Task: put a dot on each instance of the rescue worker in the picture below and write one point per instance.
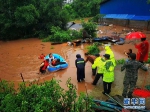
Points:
(131, 75)
(41, 56)
(80, 65)
(51, 57)
(128, 53)
(110, 52)
(53, 62)
(108, 75)
(143, 49)
(91, 58)
(44, 66)
(99, 64)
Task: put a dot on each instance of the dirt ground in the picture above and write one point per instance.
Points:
(21, 56)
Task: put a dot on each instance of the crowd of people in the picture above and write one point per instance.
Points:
(104, 66)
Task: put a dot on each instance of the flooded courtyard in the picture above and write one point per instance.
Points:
(21, 56)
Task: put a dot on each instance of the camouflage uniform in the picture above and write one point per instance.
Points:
(131, 76)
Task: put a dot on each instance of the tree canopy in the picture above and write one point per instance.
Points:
(84, 8)
(35, 18)
(26, 18)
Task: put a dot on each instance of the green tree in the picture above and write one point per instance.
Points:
(84, 8)
(90, 27)
(28, 18)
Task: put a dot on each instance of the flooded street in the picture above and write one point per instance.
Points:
(21, 56)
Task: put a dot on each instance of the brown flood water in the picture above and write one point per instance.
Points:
(21, 56)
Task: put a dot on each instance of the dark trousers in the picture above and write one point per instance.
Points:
(94, 71)
(42, 71)
(80, 74)
(129, 85)
(97, 77)
(107, 87)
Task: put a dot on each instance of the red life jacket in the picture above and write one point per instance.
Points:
(44, 67)
(54, 62)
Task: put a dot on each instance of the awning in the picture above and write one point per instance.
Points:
(119, 16)
(144, 18)
(127, 16)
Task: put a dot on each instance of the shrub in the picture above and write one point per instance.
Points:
(93, 49)
(43, 97)
(120, 61)
(75, 34)
(59, 35)
(148, 60)
(90, 27)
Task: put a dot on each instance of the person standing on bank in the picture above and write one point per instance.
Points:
(108, 75)
(143, 49)
(131, 75)
(80, 65)
(99, 64)
(128, 53)
(110, 52)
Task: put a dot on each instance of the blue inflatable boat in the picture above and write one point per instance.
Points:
(58, 67)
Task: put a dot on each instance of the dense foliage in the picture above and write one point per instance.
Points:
(59, 35)
(43, 97)
(90, 27)
(28, 18)
(93, 49)
(84, 8)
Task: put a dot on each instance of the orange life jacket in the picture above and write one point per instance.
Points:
(44, 67)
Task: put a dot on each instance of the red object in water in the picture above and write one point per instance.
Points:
(141, 93)
(41, 56)
(135, 35)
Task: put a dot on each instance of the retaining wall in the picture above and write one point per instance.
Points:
(141, 25)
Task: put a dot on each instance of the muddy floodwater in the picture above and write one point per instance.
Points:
(21, 56)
